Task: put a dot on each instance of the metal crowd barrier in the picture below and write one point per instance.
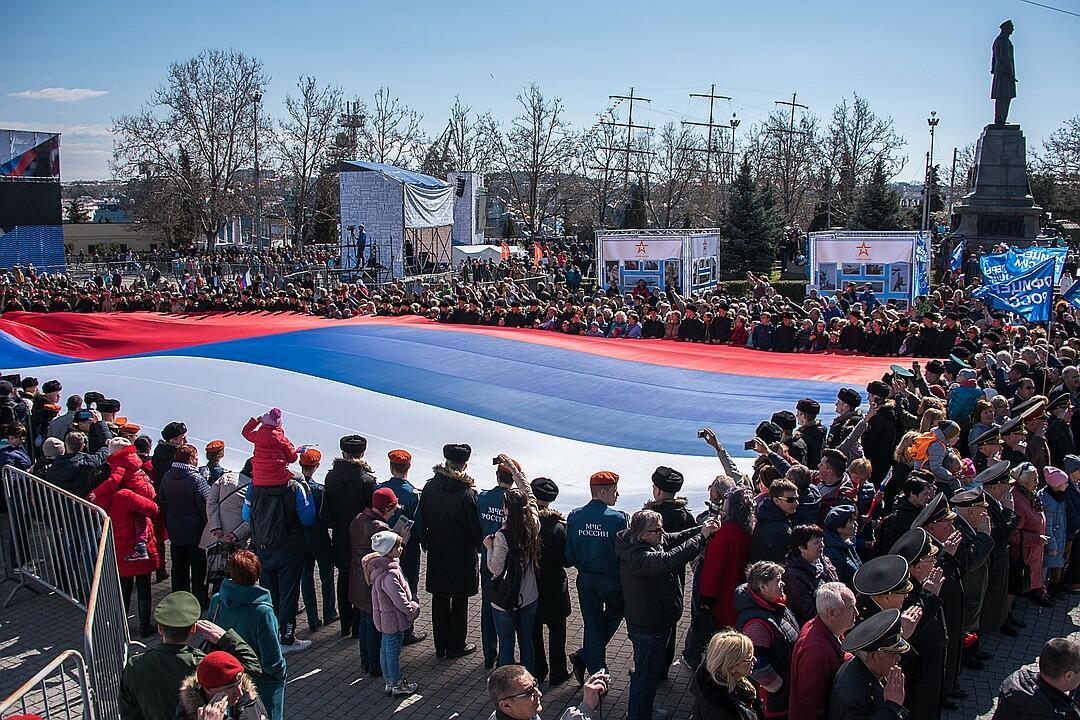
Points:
(63, 543)
(54, 537)
(58, 692)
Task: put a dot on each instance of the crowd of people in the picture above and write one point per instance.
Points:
(854, 572)
(553, 297)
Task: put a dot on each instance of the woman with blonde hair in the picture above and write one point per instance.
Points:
(720, 686)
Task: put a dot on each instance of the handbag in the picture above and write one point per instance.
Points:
(217, 560)
(504, 588)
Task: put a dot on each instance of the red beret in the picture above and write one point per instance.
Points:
(603, 477)
(215, 446)
(383, 498)
(311, 456)
(217, 670)
(400, 457)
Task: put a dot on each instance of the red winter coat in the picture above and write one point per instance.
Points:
(816, 657)
(273, 454)
(723, 569)
(128, 497)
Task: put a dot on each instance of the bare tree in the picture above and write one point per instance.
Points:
(856, 140)
(674, 165)
(206, 109)
(789, 160)
(301, 144)
(531, 153)
(391, 132)
(596, 164)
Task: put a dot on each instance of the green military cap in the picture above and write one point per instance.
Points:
(179, 609)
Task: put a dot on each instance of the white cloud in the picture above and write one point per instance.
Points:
(59, 94)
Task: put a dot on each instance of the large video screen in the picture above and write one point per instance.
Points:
(26, 154)
(29, 203)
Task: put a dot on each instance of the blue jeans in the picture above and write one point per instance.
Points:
(390, 656)
(520, 623)
(601, 601)
(369, 642)
(650, 663)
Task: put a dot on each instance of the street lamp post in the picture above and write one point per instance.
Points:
(257, 222)
(932, 121)
(734, 123)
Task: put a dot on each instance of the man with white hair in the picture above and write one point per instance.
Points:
(817, 654)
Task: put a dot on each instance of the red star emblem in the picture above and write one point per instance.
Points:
(864, 249)
(642, 248)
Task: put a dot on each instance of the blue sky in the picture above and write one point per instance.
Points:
(905, 58)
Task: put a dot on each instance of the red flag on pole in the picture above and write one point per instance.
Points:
(538, 253)
(505, 252)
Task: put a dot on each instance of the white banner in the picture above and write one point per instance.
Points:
(642, 248)
(428, 207)
(876, 251)
(703, 246)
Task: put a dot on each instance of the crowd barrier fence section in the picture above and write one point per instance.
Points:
(61, 543)
(59, 691)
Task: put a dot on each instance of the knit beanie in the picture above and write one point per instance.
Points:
(384, 541)
(272, 417)
(1055, 477)
(117, 444)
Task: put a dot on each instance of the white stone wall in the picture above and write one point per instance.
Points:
(465, 220)
(376, 201)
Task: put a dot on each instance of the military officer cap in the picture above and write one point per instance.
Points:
(901, 371)
(353, 444)
(969, 498)
(785, 420)
(1061, 401)
(883, 574)
(178, 609)
(1011, 427)
(992, 475)
(457, 452)
(959, 361)
(1028, 408)
(990, 437)
(914, 545)
(769, 432)
(544, 489)
(878, 633)
(667, 479)
(935, 510)
(849, 396)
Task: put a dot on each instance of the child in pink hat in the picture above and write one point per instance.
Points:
(273, 451)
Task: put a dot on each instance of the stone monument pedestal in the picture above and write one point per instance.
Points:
(998, 206)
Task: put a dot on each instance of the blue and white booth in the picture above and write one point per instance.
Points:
(684, 259)
(896, 265)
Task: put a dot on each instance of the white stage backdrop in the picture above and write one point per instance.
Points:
(642, 248)
(428, 207)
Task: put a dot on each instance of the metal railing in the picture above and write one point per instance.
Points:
(55, 536)
(64, 544)
(58, 691)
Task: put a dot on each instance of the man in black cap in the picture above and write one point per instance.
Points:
(971, 510)
(349, 485)
(691, 329)
(554, 595)
(997, 485)
(810, 431)
(1059, 436)
(787, 422)
(913, 494)
(1012, 442)
(784, 337)
(925, 667)
(870, 685)
(882, 431)
(847, 417)
(173, 436)
(987, 448)
(452, 532)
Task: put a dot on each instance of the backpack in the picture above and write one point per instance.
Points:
(273, 514)
(920, 447)
(504, 589)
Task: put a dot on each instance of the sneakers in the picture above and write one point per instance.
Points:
(402, 688)
(295, 646)
(139, 553)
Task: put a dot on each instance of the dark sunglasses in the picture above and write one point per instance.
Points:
(530, 691)
(790, 501)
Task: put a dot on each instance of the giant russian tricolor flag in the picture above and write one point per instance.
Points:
(565, 406)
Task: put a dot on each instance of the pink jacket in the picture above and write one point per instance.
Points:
(392, 603)
(273, 454)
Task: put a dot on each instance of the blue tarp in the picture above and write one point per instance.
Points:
(39, 245)
(408, 177)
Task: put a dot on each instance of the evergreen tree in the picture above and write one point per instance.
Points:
(752, 225)
(76, 213)
(878, 207)
(936, 202)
